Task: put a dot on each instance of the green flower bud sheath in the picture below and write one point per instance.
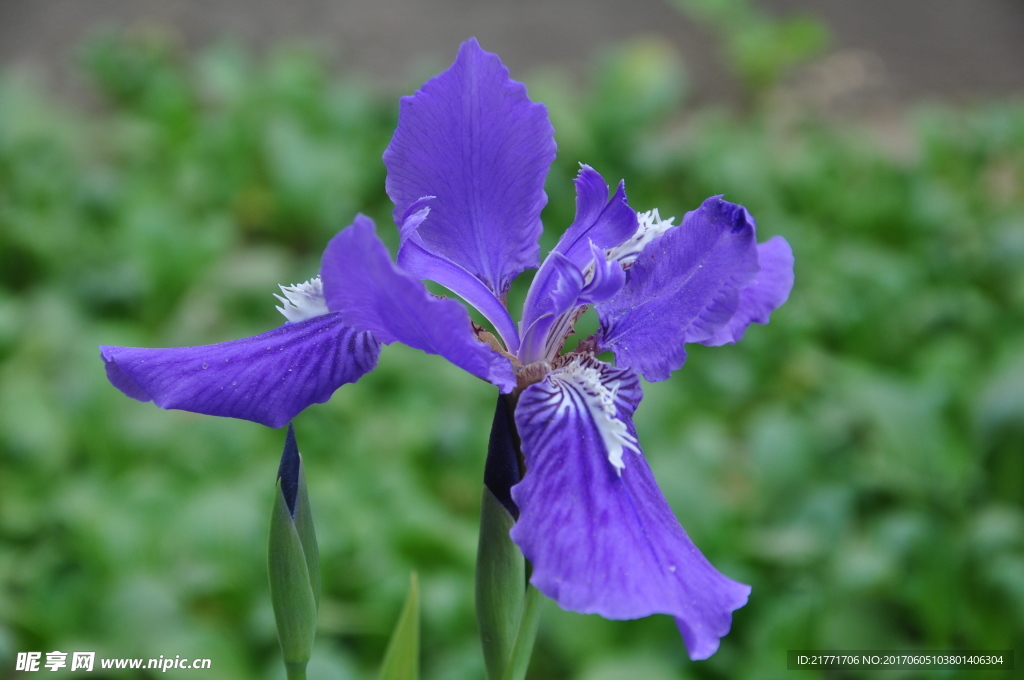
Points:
(507, 621)
(293, 563)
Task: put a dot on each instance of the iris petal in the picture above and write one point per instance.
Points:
(268, 378)
(568, 290)
(684, 287)
(601, 538)
(472, 139)
(600, 222)
(764, 295)
(562, 287)
(606, 280)
(416, 259)
(372, 294)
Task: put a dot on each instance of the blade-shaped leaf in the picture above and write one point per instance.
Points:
(402, 659)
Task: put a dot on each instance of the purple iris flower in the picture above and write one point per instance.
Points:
(466, 170)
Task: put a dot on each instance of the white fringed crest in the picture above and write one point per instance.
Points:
(584, 375)
(303, 301)
(649, 227)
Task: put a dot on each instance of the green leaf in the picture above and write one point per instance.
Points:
(500, 585)
(402, 660)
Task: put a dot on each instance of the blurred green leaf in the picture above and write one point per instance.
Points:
(637, 83)
(761, 49)
(402, 659)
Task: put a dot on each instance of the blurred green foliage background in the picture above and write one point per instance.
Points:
(859, 461)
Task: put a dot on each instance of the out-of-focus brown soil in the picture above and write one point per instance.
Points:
(925, 49)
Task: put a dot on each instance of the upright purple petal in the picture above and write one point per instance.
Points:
(568, 289)
(563, 283)
(268, 378)
(684, 287)
(603, 221)
(607, 278)
(764, 295)
(568, 283)
(593, 523)
(371, 293)
(600, 221)
(473, 140)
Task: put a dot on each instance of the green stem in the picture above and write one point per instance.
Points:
(295, 671)
(522, 648)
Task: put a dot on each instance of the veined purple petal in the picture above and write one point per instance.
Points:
(684, 286)
(268, 378)
(600, 221)
(764, 295)
(607, 278)
(473, 140)
(568, 284)
(600, 536)
(416, 259)
(563, 284)
(569, 289)
(371, 293)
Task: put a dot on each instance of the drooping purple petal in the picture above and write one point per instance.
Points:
(600, 221)
(764, 295)
(600, 536)
(268, 378)
(473, 140)
(684, 286)
(371, 293)
(416, 259)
